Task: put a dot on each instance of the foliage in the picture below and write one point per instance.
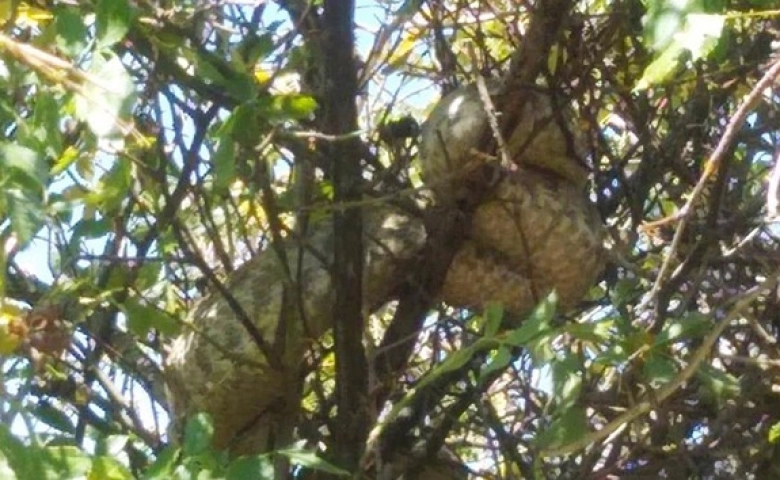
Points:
(150, 148)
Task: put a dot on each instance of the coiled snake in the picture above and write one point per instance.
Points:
(536, 231)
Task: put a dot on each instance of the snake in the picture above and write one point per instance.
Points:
(536, 231)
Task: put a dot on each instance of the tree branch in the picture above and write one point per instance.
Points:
(340, 118)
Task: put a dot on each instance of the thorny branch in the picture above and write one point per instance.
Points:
(711, 167)
(653, 399)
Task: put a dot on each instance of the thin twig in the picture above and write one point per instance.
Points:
(652, 399)
(313, 134)
(711, 167)
(492, 117)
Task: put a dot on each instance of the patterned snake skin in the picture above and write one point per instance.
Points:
(536, 231)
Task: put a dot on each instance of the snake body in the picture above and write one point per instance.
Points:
(535, 232)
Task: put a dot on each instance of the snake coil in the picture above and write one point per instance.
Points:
(537, 231)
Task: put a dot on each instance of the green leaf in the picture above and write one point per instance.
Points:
(614, 355)
(148, 275)
(494, 313)
(258, 467)
(112, 445)
(718, 383)
(210, 67)
(26, 213)
(18, 160)
(197, 434)
(701, 34)
(659, 369)
(662, 21)
(162, 468)
(293, 107)
(774, 433)
(674, 28)
(241, 86)
(113, 19)
(71, 32)
(224, 161)
(566, 382)
(65, 462)
(91, 229)
(242, 125)
(310, 460)
(119, 278)
(327, 191)
(661, 69)
(141, 318)
(672, 331)
(112, 191)
(454, 362)
(107, 468)
(43, 131)
(6, 472)
(693, 325)
(204, 68)
(53, 417)
(277, 109)
(253, 48)
(498, 360)
(23, 460)
(538, 323)
(598, 332)
(205, 465)
(106, 103)
(570, 426)
(624, 290)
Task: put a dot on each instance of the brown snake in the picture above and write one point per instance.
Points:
(537, 231)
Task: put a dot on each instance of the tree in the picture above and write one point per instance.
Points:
(186, 182)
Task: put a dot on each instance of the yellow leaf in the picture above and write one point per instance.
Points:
(5, 11)
(34, 13)
(26, 15)
(11, 310)
(661, 69)
(81, 396)
(404, 49)
(262, 76)
(69, 156)
(12, 326)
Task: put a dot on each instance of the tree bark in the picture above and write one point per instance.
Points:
(351, 427)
